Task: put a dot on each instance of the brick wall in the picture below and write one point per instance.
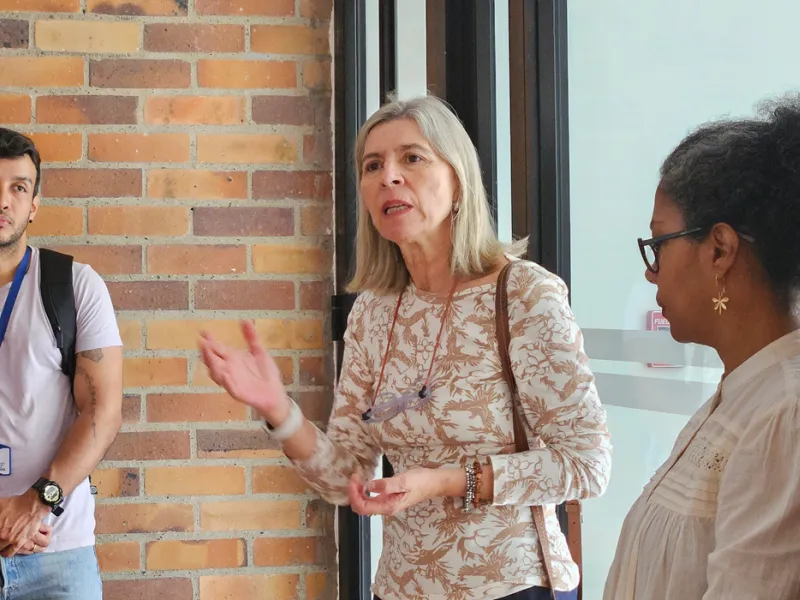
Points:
(188, 160)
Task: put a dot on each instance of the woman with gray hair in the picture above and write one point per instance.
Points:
(427, 382)
(721, 518)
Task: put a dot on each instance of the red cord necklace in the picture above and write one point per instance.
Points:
(424, 390)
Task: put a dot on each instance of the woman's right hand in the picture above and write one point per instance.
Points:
(250, 376)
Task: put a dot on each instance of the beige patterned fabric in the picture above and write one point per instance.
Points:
(720, 519)
(434, 550)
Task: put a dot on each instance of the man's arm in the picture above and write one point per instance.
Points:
(98, 398)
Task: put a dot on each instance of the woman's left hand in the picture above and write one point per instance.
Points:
(396, 494)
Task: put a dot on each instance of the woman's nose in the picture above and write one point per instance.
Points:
(391, 175)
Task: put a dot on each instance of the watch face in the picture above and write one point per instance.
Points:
(51, 493)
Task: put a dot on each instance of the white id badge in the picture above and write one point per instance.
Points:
(5, 460)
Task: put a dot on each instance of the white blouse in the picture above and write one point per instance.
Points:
(720, 520)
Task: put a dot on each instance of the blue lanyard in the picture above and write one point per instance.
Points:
(19, 275)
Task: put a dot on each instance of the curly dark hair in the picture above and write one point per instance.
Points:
(15, 145)
(746, 173)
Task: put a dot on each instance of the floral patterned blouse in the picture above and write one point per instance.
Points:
(434, 550)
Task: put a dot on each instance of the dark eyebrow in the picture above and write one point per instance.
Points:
(28, 179)
(404, 148)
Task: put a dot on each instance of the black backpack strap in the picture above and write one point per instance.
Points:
(58, 297)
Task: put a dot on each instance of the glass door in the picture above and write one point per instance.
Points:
(641, 76)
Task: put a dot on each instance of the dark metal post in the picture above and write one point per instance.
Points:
(350, 100)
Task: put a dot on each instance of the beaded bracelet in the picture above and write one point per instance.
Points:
(469, 498)
(478, 475)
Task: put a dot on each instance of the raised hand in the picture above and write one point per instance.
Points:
(250, 376)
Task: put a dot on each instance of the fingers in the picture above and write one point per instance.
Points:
(389, 485)
(387, 503)
(251, 337)
(41, 540)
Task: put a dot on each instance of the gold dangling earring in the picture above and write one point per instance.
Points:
(721, 301)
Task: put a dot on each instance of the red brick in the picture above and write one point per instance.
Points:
(135, 147)
(15, 109)
(246, 74)
(174, 588)
(277, 479)
(131, 408)
(88, 37)
(286, 552)
(313, 370)
(145, 372)
(118, 557)
(107, 260)
(59, 147)
(179, 555)
(57, 220)
(13, 33)
(195, 481)
(245, 148)
(243, 221)
(318, 150)
(316, 220)
(191, 37)
(320, 515)
(91, 183)
(235, 443)
(42, 71)
(317, 584)
(186, 259)
(285, 258)
(149, 445)
(316, 9)
(139, 73)
(149, 295)
(317, 75)
(316, 406)
(195, 110)
(275, 185)
(40, 5)
(139, 220)
(246, 8)
(250, 515)
(131, 333)
(315, 295)
(143, 518)
(288, 39)
(292, 110)
(85, 110)
(244, 295)
(165, 8)
(116, 483)
(196, 184)
(191, 408)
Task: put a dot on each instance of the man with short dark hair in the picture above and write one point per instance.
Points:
(53, 432)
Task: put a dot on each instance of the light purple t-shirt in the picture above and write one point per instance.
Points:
(36, 407)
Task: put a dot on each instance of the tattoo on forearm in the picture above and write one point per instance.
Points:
(92, 389)
(92, 355)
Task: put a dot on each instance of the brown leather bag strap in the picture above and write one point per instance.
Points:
(520, 437)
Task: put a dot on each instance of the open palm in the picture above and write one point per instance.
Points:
(250, 376)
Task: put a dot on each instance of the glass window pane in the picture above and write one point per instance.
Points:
(641, 76)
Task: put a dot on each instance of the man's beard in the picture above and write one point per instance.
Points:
(10, 243)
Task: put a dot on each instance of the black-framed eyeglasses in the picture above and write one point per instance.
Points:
(650, 248)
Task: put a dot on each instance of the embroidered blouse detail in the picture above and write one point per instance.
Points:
(721, 518)
(434, 550)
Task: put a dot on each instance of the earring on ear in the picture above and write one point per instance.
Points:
(721, 301)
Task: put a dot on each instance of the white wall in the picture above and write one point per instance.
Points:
(641, 75)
